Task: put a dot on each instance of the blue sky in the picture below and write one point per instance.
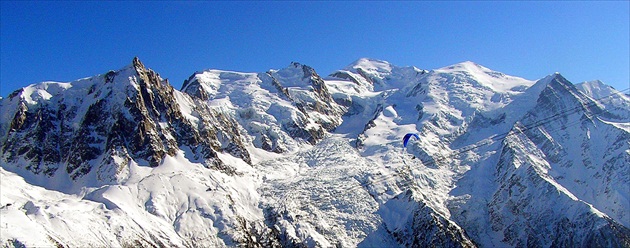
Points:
(64, 41)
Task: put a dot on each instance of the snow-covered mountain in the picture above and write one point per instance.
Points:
(290, 158)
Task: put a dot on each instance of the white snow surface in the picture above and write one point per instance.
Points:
(332, 193)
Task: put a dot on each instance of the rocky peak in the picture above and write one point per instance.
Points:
(138, 64)
(559, 93)
(101, 124)
(308, 91)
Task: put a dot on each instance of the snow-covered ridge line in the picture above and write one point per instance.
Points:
(289, 158)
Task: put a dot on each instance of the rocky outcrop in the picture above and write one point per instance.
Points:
(421, 226)
(318, 100)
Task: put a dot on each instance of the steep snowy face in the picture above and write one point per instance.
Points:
(420, 225)
(470, 87)
(439, 103)
(449, 99)
(482, 77)
(280, 109)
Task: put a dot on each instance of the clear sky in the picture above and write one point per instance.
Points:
(64, 41)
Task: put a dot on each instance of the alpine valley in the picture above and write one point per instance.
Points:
(288, 158)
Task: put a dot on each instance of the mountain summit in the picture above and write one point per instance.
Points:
(288, 158)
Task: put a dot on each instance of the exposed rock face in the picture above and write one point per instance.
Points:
(105, 122)
(421, 226)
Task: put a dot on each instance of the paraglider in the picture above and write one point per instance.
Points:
(406, 141)
(407, 137)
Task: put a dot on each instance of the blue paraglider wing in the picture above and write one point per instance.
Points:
(407, 136)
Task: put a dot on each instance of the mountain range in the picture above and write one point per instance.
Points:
(288, 158)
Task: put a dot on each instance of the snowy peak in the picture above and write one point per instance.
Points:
(207, 84)
(36, 93)
(373, 66)
(365, 73)
(463, 89)
(559, 90)
(614, 102)
(496, 81)
(558, 100)
(464, 66)
(378, 75)
(597, 89)
(113, 86)
(471, 68)
(296, 75)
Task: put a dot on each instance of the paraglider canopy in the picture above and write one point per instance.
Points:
(407, 137)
